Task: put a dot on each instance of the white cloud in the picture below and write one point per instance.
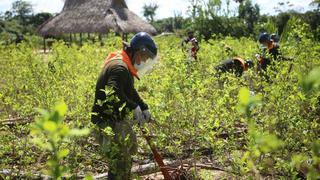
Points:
(5, 5)
(53, 6)
(167, 8)
(268, 7)
(43, 5)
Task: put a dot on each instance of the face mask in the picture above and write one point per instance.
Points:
(138, 66)
(263, 46)
(145, 67)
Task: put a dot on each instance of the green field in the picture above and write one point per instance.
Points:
(200, 118)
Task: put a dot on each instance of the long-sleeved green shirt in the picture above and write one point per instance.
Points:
(115, 94)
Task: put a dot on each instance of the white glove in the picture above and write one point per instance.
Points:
(147, 115)
(138, 115)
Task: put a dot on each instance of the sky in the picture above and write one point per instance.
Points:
(167, 8)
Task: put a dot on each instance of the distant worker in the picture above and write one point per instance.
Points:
(19, 38)
(235, 65)
(115, 99)
(271, 51)
(191, 45)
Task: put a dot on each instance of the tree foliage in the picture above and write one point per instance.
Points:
(149, 11)
(22, 10)
(250, 13)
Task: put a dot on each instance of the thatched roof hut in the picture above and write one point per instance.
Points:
(94, 16)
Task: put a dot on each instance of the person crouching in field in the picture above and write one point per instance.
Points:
(115, 99)
(236, 65)
(191, 45)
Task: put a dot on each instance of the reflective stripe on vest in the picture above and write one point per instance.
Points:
(243, 63)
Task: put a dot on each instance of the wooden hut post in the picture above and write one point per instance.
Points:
(93, 38)
(70, 38)
(124, 37)
(44, 44)
(100, 39)
(80, 39)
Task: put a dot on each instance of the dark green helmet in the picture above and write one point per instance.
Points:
(264, 37)
(143, 40)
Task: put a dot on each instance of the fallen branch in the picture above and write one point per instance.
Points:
(140, 170)
(24, 120)
(18, 120)
(22, 175)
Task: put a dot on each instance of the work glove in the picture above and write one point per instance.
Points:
(258, 56)
(138, 115)
(147, 115)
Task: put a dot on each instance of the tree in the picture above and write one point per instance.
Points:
(40, 18)
(22, 10)
(149, 11)
(316, 3)
(193, 8)
(2, 25)
(281, 20)
(249, 13)
(177, 20)
(8, 15)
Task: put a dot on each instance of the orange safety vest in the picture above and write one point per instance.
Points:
(125, 58)
(243, 63)
(271, 45)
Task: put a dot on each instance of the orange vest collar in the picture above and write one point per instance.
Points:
(125, 58)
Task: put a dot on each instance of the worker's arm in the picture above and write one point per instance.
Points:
(138, 100)
(196, 45)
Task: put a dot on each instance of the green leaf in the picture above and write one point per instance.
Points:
(244, 95)
(64, 130)
(50, 126)
(44, 113)
(79, 132)
(311, 81)
(88, 177)
(63, 153)
(61, 108)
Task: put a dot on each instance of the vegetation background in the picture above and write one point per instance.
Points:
(248, 127)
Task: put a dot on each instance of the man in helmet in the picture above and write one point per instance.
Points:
(115, 98)
(235, 65)
(271, 51)
(191, 45)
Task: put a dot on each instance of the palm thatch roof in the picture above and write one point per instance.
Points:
(94, 16)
